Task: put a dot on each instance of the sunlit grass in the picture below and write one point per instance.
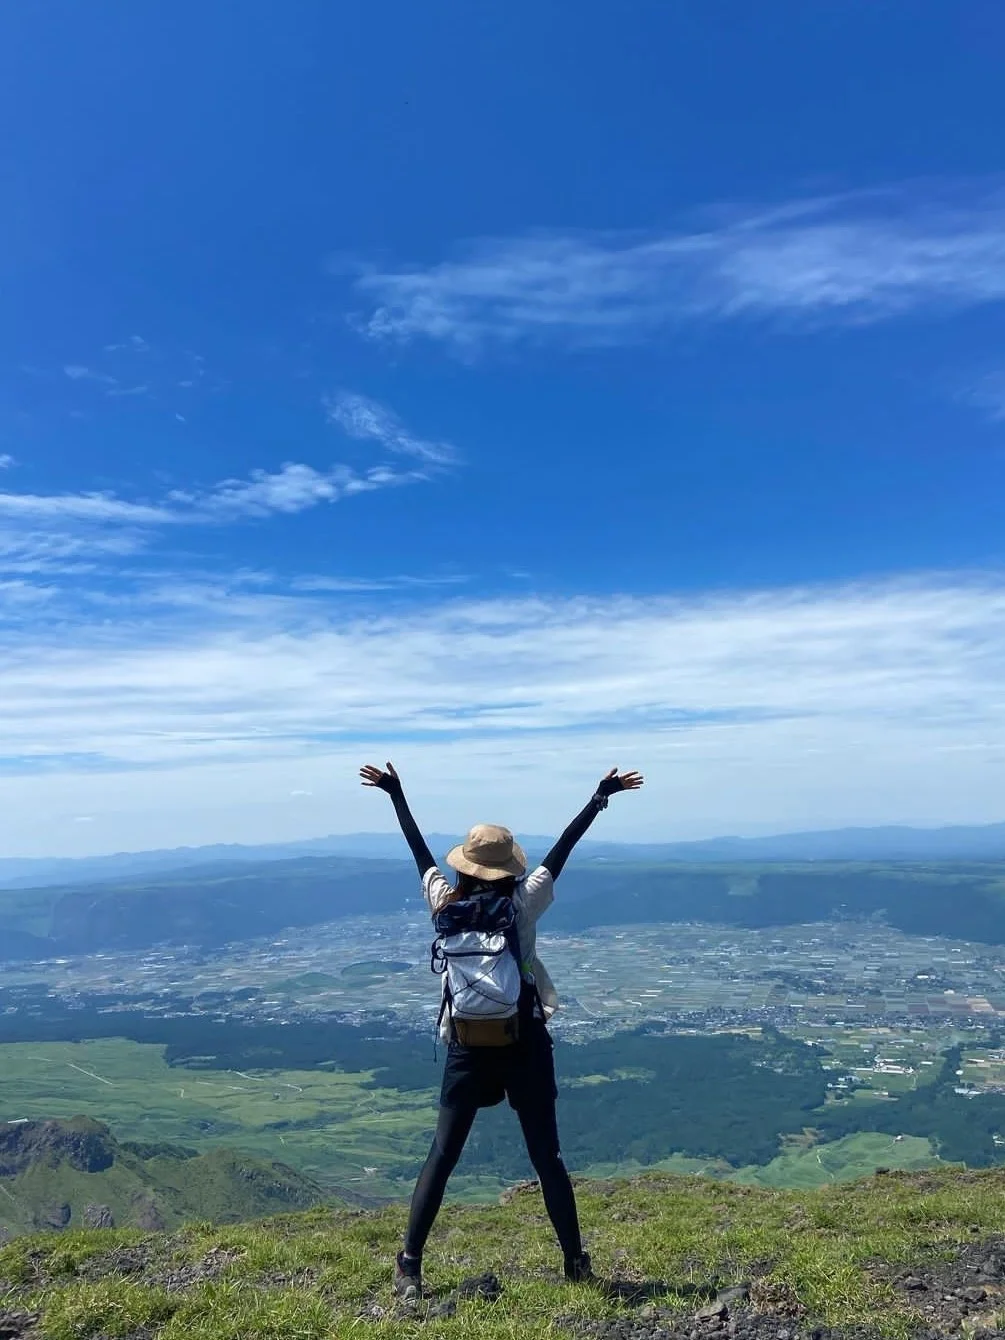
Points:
(327, 1272)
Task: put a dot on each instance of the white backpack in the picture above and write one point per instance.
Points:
(478, 951)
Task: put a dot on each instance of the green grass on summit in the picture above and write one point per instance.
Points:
(885, 1254)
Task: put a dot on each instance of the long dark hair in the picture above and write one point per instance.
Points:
(466, 885)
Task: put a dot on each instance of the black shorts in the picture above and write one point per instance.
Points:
(483, 1076)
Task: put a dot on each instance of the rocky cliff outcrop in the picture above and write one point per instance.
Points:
(82, 1143)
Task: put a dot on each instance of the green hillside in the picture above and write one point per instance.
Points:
(70, 1173)
(893, 1255)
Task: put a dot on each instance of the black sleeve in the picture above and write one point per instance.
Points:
(416, 842)
(555, 861)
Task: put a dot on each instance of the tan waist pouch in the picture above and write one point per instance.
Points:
(487, 1032)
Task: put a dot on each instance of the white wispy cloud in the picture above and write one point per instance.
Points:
(51, 552)
(850, 259)
(133, 369)
(6, 462)
(987, 395)
(401, 582)
(77, 372)
(367, 419)
(88, 507)
(292, 488)
(873, 702)
(134, 344)
(85, 553)
(15, 595)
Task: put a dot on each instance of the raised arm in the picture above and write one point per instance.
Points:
(614, 781)
(390, 782)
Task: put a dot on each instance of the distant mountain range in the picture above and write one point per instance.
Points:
(984, 842)
(220, 903)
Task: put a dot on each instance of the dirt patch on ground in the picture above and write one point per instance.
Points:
(760, 1310)
(305, 1278)
(965, 1292)
(15, 1325)
(130, 1260)
(673, 1326)
(756, 1311)
(149, 1263)
(432, 1305)
(183, 1275)
(960, 1296)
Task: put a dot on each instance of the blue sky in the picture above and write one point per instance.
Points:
(510, 392)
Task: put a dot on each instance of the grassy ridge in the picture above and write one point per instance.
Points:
(824, 1256)
(220, 1185)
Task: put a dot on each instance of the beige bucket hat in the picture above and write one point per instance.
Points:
(488, 852)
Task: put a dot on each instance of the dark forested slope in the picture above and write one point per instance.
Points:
(216, 905)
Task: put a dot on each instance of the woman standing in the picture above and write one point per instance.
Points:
(487, 1066)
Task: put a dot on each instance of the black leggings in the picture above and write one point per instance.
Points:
(540, 1131)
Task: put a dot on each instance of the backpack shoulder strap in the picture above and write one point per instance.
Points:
(531, 1004)
(513, 945)
(445, 1008)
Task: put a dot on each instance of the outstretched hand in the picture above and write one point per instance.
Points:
(388, 781)
(614, 781)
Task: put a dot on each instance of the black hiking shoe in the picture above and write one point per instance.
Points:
(579, 1270)
(407, 1278)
